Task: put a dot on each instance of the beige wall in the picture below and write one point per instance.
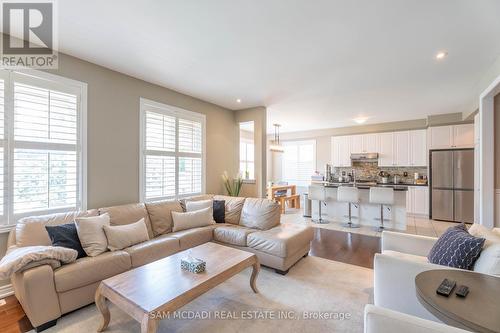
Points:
(497, 142)
(258, 115)
(113, 131)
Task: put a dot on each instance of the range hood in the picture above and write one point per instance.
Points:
(364, 157)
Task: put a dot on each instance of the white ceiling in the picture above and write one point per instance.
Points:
(314, 64)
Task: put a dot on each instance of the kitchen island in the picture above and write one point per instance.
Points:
(366, 213)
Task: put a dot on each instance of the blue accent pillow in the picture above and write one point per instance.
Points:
(456, 248)
(65, 235)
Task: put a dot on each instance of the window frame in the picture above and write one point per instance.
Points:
(176, 112)
(51, 82)
(247, 142)
(299, 143)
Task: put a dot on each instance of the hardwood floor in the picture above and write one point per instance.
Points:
(12, 317)
(350, 248)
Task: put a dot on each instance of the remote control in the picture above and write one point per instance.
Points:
(462, 291)
(446, 287)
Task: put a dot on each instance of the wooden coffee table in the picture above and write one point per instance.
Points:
(150, 291)
(478, 312)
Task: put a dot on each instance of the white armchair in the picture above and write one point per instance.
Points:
(380, 320)
(403, 257)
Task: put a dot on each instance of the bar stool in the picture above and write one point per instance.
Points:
(318, 193)
(383, 196)
(350, 195)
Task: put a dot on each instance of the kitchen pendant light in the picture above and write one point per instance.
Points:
(276, 145)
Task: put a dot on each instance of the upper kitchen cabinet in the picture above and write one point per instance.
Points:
(401, 148)
(385, 149)
(364, 143)
(463, 136)
(370, 143)
(341, 151)
(418, 148)
(452, 136)
(356, 144)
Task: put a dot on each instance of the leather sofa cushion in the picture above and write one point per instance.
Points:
(232, 234)
(262, 214)
(234, 206)
(126, 214)
(153, 250)
(30, 231)
(406, 256)
(89, 270)
(282, 241)
(160, 215)
(193, 237)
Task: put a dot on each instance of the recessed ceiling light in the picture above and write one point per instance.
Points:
(441, 55)
(360, 120)
(238, 100)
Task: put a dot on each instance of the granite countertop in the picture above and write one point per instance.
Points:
(362, 186)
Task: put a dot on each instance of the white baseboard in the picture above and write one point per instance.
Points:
(6, 290)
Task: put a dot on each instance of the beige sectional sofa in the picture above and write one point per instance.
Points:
(251, 224)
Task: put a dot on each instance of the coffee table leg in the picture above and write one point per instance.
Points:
(255, 273)
(100, 302)
(148, 324)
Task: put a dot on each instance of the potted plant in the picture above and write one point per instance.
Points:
(233, 186)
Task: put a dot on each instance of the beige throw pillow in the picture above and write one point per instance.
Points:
(191, 206)
(194, 219)
(91, 233)
(122, 236)
(489, 259)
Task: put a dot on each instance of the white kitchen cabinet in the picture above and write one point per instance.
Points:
(356, 144)
(452, 136)
(463, 136)
(385, 149)
(370, 143)
(417, 200)
(401, 148)
(341, 151)
(345, 151)
(335, 158)
(440, 137)
(418, 148)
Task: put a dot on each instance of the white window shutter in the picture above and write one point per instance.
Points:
(172, 152)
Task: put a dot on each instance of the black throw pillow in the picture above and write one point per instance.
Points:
(219, 211)
(65, 235)
(456, 248)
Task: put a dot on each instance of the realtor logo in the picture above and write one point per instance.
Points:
(28, 38)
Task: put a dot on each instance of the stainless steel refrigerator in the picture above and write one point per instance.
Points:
(452, 185)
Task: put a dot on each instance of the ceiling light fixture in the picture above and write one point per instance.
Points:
(238, 100)
(441, 55)
(275, 144)
(360, 120)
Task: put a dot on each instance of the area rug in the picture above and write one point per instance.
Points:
(317, 295)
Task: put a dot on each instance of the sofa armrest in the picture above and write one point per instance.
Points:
(406, 243)
(381, 320)
(35, 290)
(394, 284)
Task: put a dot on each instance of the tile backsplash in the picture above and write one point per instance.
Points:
(370, 171)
